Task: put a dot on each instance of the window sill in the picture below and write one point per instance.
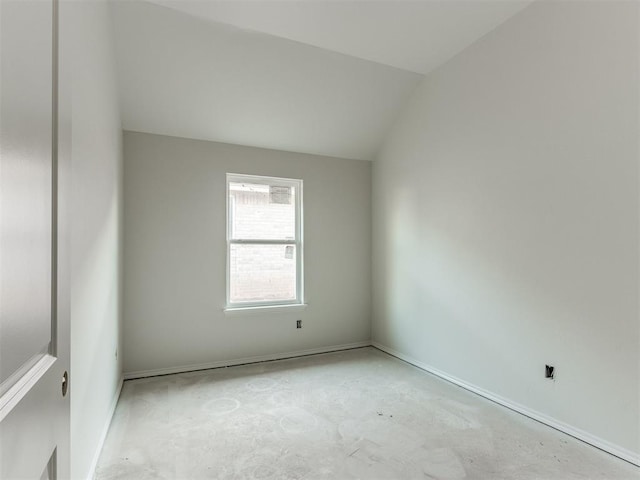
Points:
(262, 309)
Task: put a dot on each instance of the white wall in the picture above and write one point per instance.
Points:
(175, 253)
(188, 77)
(505, 219)
(96, 178)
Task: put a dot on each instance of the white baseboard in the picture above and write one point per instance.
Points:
(624, 454)
(242, 361)
(105, 431)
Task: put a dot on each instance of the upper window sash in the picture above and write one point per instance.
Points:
(241, 221)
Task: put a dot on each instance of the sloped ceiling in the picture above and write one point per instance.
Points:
(414, 35)
(274, 75)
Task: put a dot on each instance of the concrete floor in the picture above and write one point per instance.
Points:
(352, 414)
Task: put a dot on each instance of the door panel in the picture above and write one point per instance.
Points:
(28, 432)
(34, 415)
(25, 183)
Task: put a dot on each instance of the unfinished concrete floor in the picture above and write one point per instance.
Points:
(352, 414)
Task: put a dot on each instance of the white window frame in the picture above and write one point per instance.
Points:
(297, 242)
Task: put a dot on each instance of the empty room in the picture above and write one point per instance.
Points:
(320, 239)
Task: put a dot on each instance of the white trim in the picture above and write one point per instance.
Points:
(298, 241)
(263, 242)
(265, 309)
(243, 361)
(620, 452)
(105, 431)
(25, 383)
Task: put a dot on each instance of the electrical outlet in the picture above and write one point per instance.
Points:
(298, 323)
(549, 371)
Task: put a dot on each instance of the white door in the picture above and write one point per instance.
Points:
(34, 320)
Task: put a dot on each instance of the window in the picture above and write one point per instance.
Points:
(264, 241)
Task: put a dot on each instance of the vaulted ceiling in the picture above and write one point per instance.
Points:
(323, 77)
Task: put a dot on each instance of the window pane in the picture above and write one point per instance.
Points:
(261, 273)
(266, 212)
